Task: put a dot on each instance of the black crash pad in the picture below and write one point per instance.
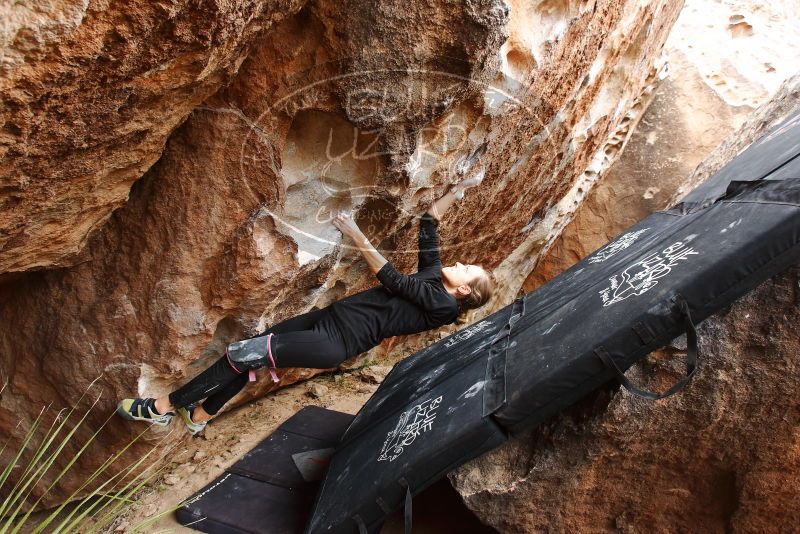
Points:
(265, 491)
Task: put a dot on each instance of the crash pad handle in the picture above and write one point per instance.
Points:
(691, 358)
(494, 392)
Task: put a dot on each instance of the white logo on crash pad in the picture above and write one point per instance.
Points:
(618, 245)
(411, 424)
(643, 275)
(467, 333)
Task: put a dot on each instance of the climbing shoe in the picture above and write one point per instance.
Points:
(143, 410)
(186, 415)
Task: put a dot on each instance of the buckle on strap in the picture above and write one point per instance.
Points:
(517, 311)
(228, 357)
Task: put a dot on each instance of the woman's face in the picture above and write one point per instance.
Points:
(460, 274)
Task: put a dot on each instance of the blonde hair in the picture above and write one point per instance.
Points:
(482, 288)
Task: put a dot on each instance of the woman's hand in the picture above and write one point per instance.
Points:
(472, 181)
(345, 223)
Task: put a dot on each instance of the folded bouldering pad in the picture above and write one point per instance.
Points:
(430, 418)
(271, 489)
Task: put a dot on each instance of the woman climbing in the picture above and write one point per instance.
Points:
(401, 305)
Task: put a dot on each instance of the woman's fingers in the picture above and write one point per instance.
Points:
(342, 218)
(474, 180)
(344, 222)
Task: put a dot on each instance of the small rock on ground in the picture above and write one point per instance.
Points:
(317, 390)
(374, 374)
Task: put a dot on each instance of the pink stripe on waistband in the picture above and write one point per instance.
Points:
(228, 357)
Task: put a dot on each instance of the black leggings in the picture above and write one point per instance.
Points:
(307, 340)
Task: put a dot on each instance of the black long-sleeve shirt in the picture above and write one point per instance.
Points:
(402, 304)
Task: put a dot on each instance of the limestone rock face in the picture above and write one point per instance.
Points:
(721, 456)
(709, 91)
(89, 92)
(367, 106)
(684, 122)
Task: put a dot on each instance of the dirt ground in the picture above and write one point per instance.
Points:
(227, 438)
(202, 458)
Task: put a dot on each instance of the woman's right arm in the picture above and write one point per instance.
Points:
(348, 227)
(438, 208)
(374, 259)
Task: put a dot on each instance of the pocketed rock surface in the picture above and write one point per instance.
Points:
(363, 106)
(709, 92)
(721, 456)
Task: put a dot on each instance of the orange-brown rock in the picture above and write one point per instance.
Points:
(365, 106)
(722, 456)
(89, 93)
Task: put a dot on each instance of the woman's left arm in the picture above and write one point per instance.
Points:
(348, 227)
(413, 289)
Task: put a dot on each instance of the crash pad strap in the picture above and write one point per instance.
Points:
(407, 506)
(362, 528)
(691, 359)
(494, 393)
